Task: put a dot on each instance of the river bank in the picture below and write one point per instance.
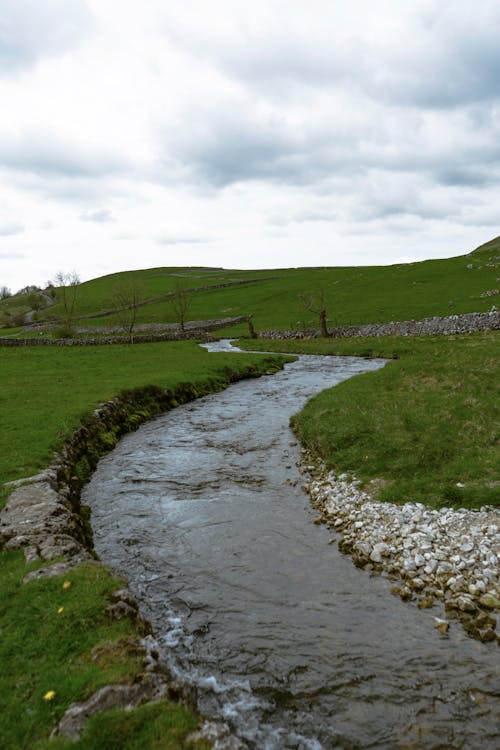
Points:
(448, 555)
(95, 654)
(279, 634)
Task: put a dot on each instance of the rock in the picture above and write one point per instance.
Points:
(417, 584)
(56, 569)
(425, 602)
(442, 625)
(490, 601)
(152, 688)
(419, 561)
(120, 610)
(487, 635)
(378, 552)
(409, 565)
(38, 517)
(31, 554)
(430, 567)
(124, 595)
(219, 736)
(446, 554)
(484, 620)
(464, 604)
(466, 546)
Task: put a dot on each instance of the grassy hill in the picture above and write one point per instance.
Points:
(425, 427)
(354, 295)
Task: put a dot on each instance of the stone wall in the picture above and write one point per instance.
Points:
(453, 324)
(203, 333)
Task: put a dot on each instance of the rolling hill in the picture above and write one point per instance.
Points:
(353, 295)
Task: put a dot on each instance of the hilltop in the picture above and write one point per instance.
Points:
(353, 295)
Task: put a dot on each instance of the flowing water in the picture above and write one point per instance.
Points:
(284, 639)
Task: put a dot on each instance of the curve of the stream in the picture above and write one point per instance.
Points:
(284, 639)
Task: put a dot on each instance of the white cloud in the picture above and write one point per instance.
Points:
(33, 29)
(100, 215)
(9, 228)
(239, 134)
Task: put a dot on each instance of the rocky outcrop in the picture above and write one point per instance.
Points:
(436, 326)
(40, 519)
(447, 555)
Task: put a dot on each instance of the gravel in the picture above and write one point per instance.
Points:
(449, 554)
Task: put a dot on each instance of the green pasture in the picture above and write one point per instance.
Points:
(353, 295)
(425, 428)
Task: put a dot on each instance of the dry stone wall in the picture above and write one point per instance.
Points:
(202, 332)
(453, 324)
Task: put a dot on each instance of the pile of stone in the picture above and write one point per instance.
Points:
(447, 554)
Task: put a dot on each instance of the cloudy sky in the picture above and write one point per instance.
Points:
(245, 134)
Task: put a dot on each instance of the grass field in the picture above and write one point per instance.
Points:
(45, 391)
(353, 295)
(425, 428)
(76, 650)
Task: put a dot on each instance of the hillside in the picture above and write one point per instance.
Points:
(353, 295)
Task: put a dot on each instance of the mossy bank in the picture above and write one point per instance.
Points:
(75, 638)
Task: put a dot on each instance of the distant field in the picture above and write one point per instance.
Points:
(354, 295)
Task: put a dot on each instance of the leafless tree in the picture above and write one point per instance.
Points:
(180, 301)
(316, 302)
(125, 300)
(68, 283)
(5, 292)
(251, 328)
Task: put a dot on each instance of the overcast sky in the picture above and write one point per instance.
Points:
(245, 134)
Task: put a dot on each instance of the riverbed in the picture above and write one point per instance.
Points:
(285, 640)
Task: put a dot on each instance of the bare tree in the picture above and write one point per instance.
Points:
(251, 328)
(68, 283)
(5, 292)
(125, 299)
(180, 301)
(316, 303)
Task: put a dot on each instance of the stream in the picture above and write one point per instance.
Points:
(201, 510)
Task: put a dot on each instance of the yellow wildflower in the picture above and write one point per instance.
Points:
(66, 584)
(60, 610)
(49, 695)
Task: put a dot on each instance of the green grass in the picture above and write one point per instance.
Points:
(162, 726)
(45, 393)
(424, 424)
(43, 649)
(354, 295)
(428, 420)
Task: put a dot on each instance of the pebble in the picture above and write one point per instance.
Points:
(451, 554)
(442, 625)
